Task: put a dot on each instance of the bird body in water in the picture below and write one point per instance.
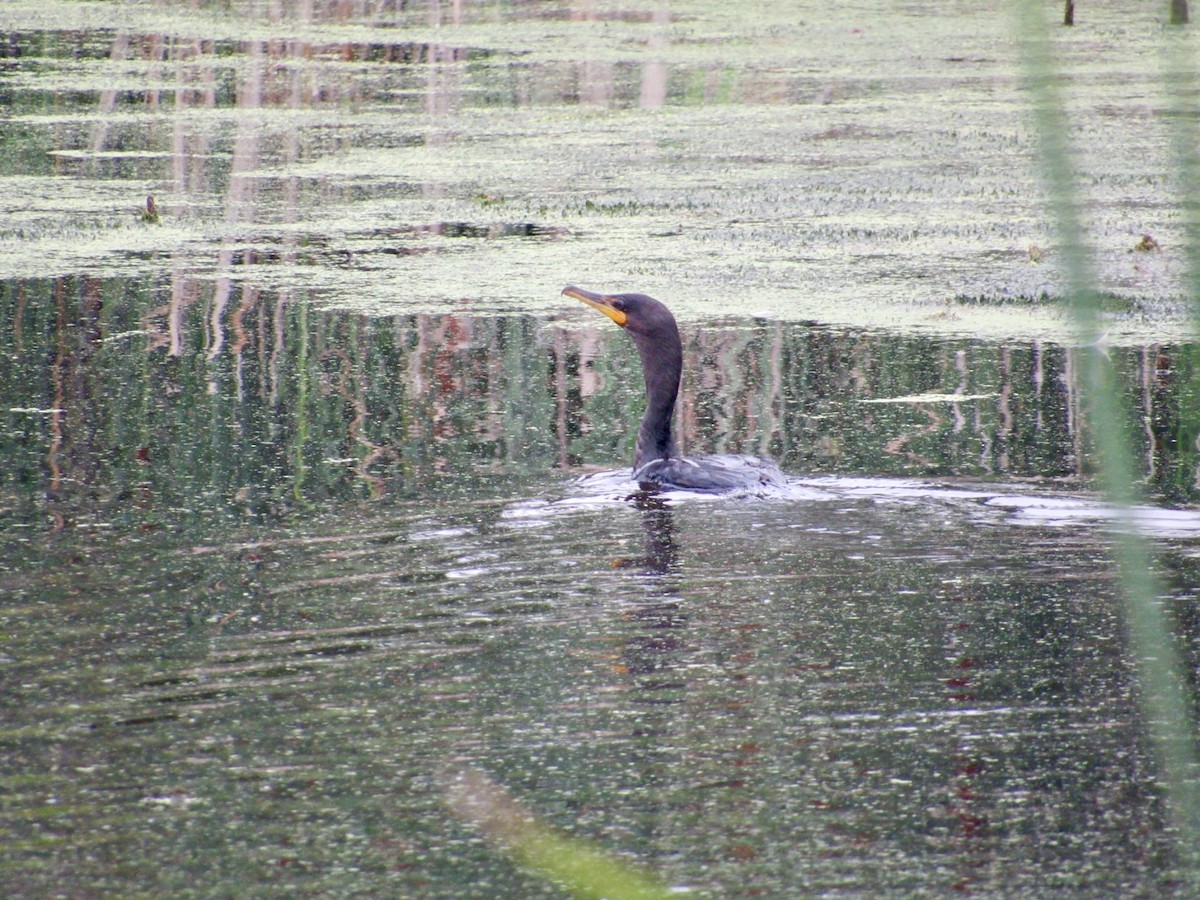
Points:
(656, 461)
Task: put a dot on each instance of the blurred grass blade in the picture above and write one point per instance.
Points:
(582, 869)
(1166, 698)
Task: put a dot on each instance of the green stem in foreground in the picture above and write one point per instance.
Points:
(1166, 699)
(582, 869)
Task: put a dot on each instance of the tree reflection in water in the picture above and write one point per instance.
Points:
(311, 404)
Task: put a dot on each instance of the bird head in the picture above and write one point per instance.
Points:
(643, 317)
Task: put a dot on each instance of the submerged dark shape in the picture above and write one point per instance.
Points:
(656, 462)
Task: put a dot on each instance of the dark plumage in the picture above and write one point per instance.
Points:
(656, 462)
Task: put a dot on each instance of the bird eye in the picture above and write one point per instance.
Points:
(618, 304)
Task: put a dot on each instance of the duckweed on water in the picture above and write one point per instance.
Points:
(853, 168)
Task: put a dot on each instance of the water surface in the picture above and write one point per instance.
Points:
(267, 590)
(865, 164)
(314, 492)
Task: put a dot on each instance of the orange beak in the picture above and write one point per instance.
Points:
(597, 301)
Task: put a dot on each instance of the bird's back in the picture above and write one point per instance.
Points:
(711, 474)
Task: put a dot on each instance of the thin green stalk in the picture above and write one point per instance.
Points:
(581, 868)
(1165, 696)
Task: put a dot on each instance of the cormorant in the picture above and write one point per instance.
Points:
(656, 462)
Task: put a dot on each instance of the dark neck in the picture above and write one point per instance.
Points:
(661, 366)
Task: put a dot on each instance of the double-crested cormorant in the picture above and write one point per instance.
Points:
(657, 463)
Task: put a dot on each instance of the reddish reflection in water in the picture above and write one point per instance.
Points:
(337, 402)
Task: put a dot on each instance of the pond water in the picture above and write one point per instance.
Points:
(263, 594)
(315, 505)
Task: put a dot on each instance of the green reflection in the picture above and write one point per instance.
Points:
(132, 400)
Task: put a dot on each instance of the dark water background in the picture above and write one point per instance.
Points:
(260, 600)
(298, 507)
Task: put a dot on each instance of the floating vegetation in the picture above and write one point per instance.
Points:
(150, 214)
(1042, 299)
(804, 181)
